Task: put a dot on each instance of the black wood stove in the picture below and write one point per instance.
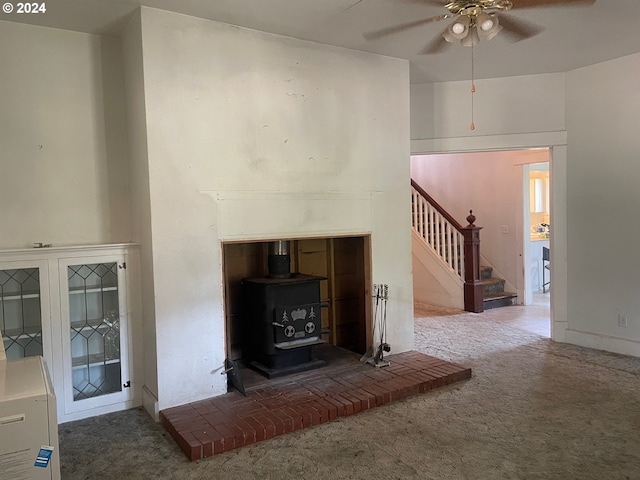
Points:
(281, 318)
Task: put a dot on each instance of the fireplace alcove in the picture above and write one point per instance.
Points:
(344, 262)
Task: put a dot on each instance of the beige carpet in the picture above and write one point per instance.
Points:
(533, 410)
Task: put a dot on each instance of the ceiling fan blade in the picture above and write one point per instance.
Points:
(436, 45)
(549, 3)
(518, 29)
(404, 26)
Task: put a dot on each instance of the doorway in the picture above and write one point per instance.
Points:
(505, 206)
(537, 230)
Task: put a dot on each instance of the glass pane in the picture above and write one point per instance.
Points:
(20, 317)
(95, 329)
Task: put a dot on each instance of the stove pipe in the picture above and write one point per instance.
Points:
(279, 260)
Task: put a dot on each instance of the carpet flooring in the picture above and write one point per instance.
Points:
(534, 409)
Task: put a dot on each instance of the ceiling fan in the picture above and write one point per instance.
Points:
(476, 20)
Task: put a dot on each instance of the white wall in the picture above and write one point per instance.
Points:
(502, 106)
(63, 135)
(252, 135)
(603, 175)
(140, 199)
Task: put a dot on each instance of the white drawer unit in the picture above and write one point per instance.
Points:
(28, 426)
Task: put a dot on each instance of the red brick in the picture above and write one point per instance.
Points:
(259, 428)
(319, 413)
(367, 400)
(315, 416)
(228, 437)
(248, 409)
(296, 417)
(323, 403)
(286, 419)
(206, 442)
(277, 422)
(218, 447)
(195, 447)
(269, 427)
(238, 434)
(263, 392)
(355, 402)
(216, 418)
(273, 402)
(377, 393)
(178, 412)
(248, 430)
(196, 423)
(222, 423)
(299, 394)
(344, 406)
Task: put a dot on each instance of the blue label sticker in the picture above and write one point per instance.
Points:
(44, 456)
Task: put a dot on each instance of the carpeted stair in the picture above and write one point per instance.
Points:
(493, 290)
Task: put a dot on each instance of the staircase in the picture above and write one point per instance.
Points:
(455, 246)
(493, 290)
(457, 249)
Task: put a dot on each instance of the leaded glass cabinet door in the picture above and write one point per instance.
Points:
(96, 347)
(24, 303)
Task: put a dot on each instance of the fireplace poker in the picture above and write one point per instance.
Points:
(368, 356)
(381, 294)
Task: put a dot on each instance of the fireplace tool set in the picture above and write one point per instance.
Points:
(381, 295)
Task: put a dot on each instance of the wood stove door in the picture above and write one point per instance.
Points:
(296, 324)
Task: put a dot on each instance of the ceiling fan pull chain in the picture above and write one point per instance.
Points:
(473, 89)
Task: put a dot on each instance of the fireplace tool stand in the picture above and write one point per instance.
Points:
(381, 294)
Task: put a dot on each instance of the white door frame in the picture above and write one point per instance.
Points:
(557, 142)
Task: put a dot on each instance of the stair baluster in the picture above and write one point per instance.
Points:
(457, 246)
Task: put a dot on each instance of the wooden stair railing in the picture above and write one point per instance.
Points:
(458, 246)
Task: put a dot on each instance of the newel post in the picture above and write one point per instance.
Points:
(473, 296)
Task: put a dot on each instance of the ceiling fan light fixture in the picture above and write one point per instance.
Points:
(488, 26)
(457, 30)
(485, 22)
(472, 39)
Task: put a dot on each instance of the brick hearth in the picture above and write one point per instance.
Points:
(284, 405)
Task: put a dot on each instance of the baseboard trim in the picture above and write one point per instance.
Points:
(150, 403)
(607, 343)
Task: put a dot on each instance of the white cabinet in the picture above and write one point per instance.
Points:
(77, 307)
(24, 302)
(28, 428)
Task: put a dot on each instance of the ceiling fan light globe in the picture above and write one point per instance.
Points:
(485, 21)
(486, 25)
(458, 28)
(491, 33)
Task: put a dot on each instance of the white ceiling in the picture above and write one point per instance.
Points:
(573, 36)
